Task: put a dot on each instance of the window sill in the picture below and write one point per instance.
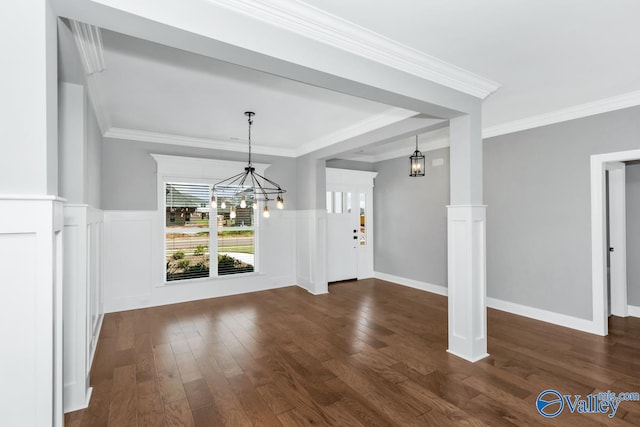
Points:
(210, 279)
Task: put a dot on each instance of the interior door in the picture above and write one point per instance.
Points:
(342, 236)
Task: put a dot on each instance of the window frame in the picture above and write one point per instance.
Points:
(191, 170)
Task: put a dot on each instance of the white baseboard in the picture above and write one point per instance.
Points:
(633, 311)
(81, 404)
(423, 286)
(179, 293)
(542, 315)
(510, 307)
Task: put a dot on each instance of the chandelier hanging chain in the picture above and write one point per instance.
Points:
(250, 115)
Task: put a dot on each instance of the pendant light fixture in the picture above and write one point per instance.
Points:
(417, 162)
(249, 186)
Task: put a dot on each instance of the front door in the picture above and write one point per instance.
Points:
(342, 236)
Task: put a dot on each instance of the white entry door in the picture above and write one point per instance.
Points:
(342, 237)
(349, 224)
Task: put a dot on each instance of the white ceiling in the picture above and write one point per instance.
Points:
(546, 55)
(157, 89)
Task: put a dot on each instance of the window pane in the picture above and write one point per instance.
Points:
(187, 231)
(363, 220)
(348, 203)
(337, 202)
(236, 232)
(329, 202)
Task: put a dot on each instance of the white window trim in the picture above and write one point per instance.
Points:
(195, 170)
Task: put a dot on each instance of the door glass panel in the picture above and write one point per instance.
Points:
(338, 202)
(348, 203)
(329, 202)
(363, 220)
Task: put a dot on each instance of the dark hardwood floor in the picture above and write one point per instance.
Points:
(370, 353)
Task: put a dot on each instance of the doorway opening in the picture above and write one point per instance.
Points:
(608, 237)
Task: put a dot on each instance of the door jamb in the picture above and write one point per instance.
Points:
(618, 238)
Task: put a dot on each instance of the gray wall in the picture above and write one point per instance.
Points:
(633, 233)
(71, 142)
(312, 182)
(537, 188)
(94, 160)
(410, 221)
(80, 147)
(129, 172)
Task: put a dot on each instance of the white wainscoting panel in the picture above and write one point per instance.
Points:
(311, 249)
(134, 259)
(82, 300)
(31, 310)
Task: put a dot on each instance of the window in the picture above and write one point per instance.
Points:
(236, 233)
(363, 220)
(192, 219)
(338, 202)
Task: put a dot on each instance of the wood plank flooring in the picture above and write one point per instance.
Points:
(370, 353)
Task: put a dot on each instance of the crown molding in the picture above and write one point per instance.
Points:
(372, 123)
(605, 105)
(321, 26)
(188, 141)
(89, 43)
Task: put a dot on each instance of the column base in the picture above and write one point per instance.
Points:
(466, 227)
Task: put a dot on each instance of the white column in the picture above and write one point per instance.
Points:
(31, 310)
(467, 282)
(466, 230)
(30, 218)
(311, 225)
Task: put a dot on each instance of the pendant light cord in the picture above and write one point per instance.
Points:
(250, 123)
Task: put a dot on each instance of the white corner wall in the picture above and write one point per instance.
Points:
(31, 310)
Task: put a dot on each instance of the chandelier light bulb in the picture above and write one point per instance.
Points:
(280, 203)
(223, 205)
(265, 212)
(255, 205)
(243, 202)
(232, 214)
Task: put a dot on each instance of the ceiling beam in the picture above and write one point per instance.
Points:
(213, 30)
